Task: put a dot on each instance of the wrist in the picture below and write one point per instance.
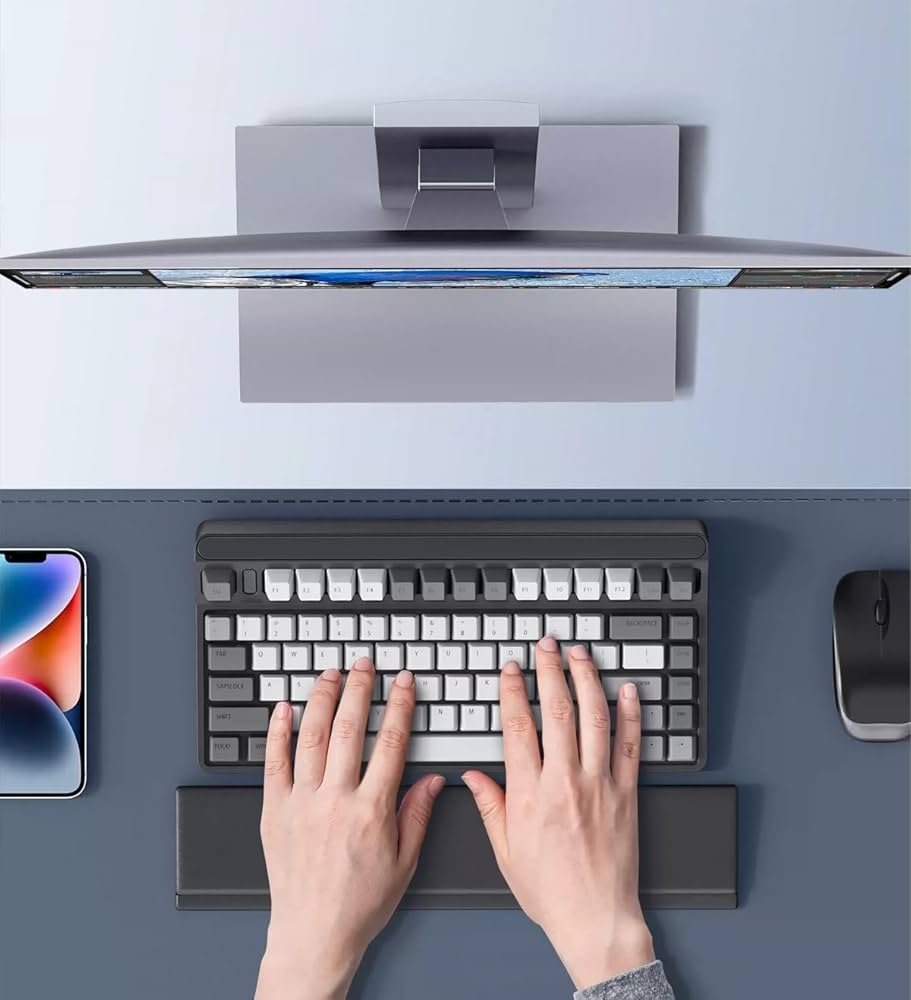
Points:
(291, 970)
(590, 960)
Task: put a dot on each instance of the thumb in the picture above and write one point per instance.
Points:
(414, 816)
(491, 802)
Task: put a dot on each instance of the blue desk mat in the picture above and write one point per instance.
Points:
(87, 886)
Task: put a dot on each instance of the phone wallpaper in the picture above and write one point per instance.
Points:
(41, 676)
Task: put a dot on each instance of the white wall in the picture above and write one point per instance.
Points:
(116, 123)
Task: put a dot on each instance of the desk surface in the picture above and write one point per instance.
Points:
(87, 906)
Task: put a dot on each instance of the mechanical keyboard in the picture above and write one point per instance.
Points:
(280, 601)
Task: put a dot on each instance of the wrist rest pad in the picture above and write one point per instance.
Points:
(687, 839)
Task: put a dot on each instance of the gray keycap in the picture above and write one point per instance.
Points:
(680, 688)
(249, 581)
(681, 717)
(217, 583)
(682, 627)
(649, 687)
(256, 749)
(433, 583)
(635, 626)
(230, 689)
(682, 658)
(239, 720)
(465, 583)
(652, 718)
(219, 628)
(681, 749)
(401, 583)
(651, 749)
(496, 583)
(224, 658)
(681, 583)
(650, 580)
(223, 749)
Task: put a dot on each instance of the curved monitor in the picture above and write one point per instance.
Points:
(459, 259)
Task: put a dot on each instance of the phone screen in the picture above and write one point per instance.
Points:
(42, 673)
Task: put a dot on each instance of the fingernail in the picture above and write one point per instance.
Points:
(362, 663)
(629, 691)
(579, 652)
(468, 779)
(548, 644)
(404, 679)
(436, 784)
(331, 674)
(282, 710)
(511, 667)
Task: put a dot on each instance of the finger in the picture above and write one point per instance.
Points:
(346, 743)
(594, 717)
(277, 768)
(387, 762)
(521, 754)
(414, 817)
(491, 802)
(625, 762)
(316, 723)
(558, 722)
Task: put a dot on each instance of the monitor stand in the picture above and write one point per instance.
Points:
(457, 345)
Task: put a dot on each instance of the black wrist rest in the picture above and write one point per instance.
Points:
(687, 839)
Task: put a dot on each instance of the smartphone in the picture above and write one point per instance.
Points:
(43, 629)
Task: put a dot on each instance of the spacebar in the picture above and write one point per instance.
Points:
(451, 749)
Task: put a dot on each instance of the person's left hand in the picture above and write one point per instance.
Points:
(339, 855)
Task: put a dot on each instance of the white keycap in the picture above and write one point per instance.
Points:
(450, 656)
(528, 628)
(559, 626)
(589, 627)
(650, 688)
(487, 687)
(473, 719)
(497, 628)
(375, 718)
(482, 656)
(371, 584)
(517, 651)
(301, 687)
(419, 719)
(558, 583)
(434, 628)
(250, 628)
(326, 655)
(467, 628)
(273, 688)
(311, 628)
(588, 583)
(280, 628)
(496, 726)
(277, 584)
(297, 713)
(618, 583)
(374, 628)
(265, 656)
(428, 687)
(403, 628)
(388, 682)
(604, 656)
(681, 749)
(526, 583)
(342, 628)
(354, 651)
(310, 584)
(447, 748)
(296, 656)
(340, 584)
(459, 687)
(638, 656)
(390, 656)
(419, 656)
(443, 719)
(218, 628)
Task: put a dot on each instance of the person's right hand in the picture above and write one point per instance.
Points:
(565, 832)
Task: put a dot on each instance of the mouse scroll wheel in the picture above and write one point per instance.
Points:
(881, 611)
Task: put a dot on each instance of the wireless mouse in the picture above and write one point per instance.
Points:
(871, 655)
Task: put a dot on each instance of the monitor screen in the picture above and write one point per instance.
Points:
(628, 277)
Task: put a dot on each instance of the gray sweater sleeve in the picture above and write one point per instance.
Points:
(648, 982)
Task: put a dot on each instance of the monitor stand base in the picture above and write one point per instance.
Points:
(457, 345)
